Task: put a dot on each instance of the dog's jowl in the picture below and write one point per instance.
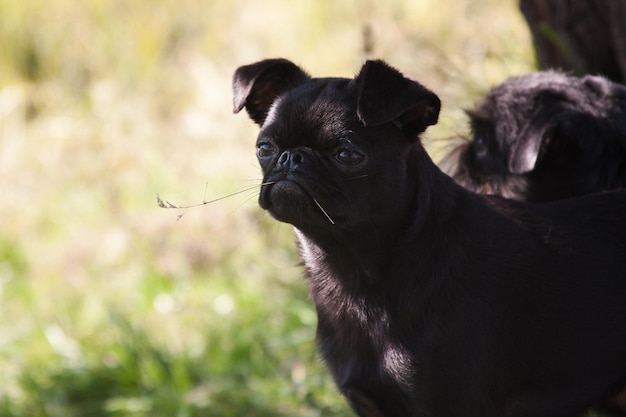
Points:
(545, 136)
(432, 300)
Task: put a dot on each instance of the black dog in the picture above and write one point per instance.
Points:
(543, 137)
(433, 300)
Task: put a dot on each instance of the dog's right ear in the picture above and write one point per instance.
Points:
(256, 86)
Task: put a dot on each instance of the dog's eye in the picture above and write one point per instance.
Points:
(265, 150)
(348, 156)
(480, 148)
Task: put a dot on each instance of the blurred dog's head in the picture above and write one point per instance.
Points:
(545, 136)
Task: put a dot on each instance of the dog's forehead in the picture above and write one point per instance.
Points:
(322, 108)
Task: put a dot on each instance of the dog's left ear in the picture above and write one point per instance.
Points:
(385, 95)
(525, 153)
(559, 125)
(256, 86)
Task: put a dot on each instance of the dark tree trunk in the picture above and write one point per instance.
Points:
(583, 36)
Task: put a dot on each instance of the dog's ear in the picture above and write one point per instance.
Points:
(540, 133)
(563, 122)
(598, 85)
(385, 95)
(526, 151)
(256, 86)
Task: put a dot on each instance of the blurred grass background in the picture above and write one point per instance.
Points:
(111, 306)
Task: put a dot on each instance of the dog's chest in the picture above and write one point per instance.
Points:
(360, 341)
(359, 338)
(370, 366)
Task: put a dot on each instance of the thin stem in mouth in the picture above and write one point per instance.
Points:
(168, 205)
(324, 211)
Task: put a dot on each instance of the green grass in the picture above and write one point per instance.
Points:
(112, 306)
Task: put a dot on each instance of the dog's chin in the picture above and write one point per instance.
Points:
(289, 202)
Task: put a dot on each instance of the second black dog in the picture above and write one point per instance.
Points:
(434, 301)
(545, 136)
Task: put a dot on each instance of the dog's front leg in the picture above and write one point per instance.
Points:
(379, 403)
(363, 405)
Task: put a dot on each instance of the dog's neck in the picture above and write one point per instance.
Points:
(355, 260)
(361, 257)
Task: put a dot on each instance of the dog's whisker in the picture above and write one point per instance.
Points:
(359, 176)
(324, 211)
(250, 180)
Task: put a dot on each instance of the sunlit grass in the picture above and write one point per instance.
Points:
(112, 306)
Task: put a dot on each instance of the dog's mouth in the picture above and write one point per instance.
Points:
(290, 202)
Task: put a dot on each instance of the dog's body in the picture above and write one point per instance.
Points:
(545, 136)
(432, 300)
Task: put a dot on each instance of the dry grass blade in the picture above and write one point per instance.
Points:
(167, 205)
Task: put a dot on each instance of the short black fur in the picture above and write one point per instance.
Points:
(545, 136)
(434, 301)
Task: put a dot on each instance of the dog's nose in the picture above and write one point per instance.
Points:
(290, 160)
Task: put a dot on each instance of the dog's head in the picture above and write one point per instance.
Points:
(545, 136)
(334, 151)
